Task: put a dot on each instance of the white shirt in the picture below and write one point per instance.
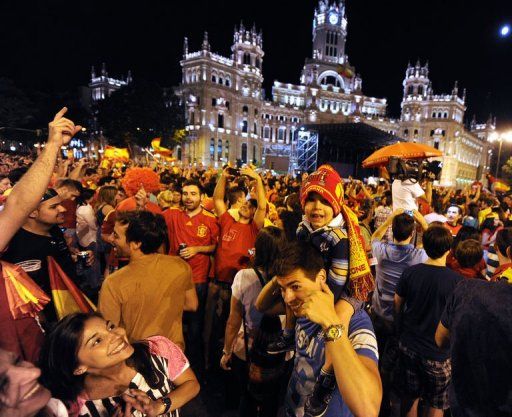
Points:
(405, 194)
(434, 217)
(86, 226)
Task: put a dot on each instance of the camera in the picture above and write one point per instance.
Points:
(417, 170)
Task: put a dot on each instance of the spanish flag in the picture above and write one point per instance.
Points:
(114, 153)
(497, 185)
(67, 297)
(345, 71)
(155, 144)
(24, 296)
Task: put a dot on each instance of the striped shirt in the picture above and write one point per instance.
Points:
(168, 362)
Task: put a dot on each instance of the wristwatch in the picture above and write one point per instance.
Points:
(333, 332)
(167, 402)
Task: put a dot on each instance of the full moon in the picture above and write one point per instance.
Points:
(505, 30)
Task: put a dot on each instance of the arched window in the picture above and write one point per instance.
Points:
(214, 78)
(247, 59)
(410, 90)
(244, 153)
(220, 120)
(219, 149)
(245, 109)
(228, 82)
(415, 132)
(221, 81)
(179, 153)
(227, 105)
(406, 132)
(445, 115)
(255, 129)
(245, 126)
(281, 133)
(420, 90)
(258, 63)
(191, 118)
(266, 132)
(212, 148)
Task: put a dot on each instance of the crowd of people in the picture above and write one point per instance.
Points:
(310, 295)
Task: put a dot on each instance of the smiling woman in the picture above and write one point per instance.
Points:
(89, 363)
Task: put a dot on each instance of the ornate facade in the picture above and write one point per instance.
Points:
(229, 118)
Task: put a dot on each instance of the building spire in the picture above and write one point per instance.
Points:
(93, 72)
(129, 77)
(185, 47)
(104, 70)
(455, 91)
(206, 43)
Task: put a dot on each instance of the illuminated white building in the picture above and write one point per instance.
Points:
(438, 121)
(229, 118)
(101, 85)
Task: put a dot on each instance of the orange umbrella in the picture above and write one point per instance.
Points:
(405, 150)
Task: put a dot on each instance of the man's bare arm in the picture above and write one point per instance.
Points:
(27, 193)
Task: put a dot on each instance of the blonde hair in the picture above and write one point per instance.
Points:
(107, 195)
(164, 199)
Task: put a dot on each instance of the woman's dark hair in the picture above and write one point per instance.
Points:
(145, 227)
(488, 224)
(465, 233)
(293, 201)
(85, 195)
(504, 241)
(437, 240)
(59, 358)
(469, 252)
(402, 227)
(290, 220)
(473, 210)
(268, 243)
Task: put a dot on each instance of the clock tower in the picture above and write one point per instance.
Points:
(330, 32)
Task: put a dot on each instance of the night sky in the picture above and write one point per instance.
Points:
(51, 45)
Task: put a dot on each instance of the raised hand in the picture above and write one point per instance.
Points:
(62, 130)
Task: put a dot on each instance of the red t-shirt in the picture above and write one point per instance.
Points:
(453, 229)
(199, 230)
(233, 249)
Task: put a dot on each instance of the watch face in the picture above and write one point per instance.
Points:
(333, 19)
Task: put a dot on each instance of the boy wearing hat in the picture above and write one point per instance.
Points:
(333, 229)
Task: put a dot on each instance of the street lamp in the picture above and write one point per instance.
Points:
(500, 137)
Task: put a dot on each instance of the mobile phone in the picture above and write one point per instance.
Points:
(233, 171)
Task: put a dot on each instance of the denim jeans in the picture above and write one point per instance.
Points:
(194, 322)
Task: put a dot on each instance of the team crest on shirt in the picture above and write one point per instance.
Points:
(202, 230)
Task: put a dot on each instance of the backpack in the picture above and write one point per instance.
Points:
(262, 366)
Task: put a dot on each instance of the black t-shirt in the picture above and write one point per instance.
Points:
(425, 290)
(479, 317)
(30, 251)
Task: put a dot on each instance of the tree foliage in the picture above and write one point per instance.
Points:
(506, 169)
(16, 109)
(139, 112)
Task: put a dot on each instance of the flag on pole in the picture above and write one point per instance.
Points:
(66, 296)
(24, 296)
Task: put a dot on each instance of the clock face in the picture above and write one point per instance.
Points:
(333, 19)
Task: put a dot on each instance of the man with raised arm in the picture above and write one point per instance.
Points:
(23, 336)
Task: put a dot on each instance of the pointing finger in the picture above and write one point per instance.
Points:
(61, 113)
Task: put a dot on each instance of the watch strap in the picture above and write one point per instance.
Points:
(167, 402)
